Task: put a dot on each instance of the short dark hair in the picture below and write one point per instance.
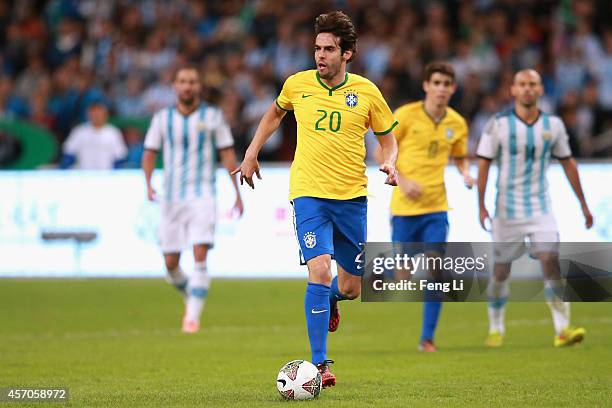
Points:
(185, 67)
(440, 67)
(98, 103)
(340, 25)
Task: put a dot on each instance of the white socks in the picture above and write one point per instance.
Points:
(197, 291)
(178, 279)
(560, 310)
(498, 296)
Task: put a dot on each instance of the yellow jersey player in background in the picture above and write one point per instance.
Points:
(429, 132)
(333, 110)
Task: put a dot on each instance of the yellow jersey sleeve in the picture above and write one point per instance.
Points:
(402, 127)
(460, 147)
(382, 120)
(285, 98)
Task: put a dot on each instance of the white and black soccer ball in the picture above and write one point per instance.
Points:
(299, 380)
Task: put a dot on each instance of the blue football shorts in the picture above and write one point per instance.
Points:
(429, 229)
(334, 227)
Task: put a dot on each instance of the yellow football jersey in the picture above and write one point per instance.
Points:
(424, 149)
(331, 124)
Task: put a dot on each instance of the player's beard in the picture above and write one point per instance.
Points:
(332, 71)
(187, 100)
(528, 104)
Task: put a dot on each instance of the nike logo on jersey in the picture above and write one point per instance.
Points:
(282, 382)
(306, 96)
(318, 311)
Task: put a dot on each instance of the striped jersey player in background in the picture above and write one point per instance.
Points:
(523, 140)
(191, 133)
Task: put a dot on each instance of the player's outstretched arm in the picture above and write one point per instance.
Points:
(483, 176)
(149, 157)
(228, 160)
(269, 123)
(410, 188)
(463, 165)
(388, 146)
(571, 172)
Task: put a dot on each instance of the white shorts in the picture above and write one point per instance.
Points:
(186, 223)
(509, 237)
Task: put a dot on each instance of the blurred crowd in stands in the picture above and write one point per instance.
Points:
(57, 57)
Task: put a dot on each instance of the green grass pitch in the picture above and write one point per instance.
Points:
(117, 342)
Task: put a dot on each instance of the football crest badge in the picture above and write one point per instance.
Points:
(310, 240)
(351, 99)
(449, 133)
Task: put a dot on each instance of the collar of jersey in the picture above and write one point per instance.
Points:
(432, 119)
(525, 122)
(330, 90)
(198, 109)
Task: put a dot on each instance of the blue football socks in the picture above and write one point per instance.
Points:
(316, 308)
(334, 294)
(431, 314)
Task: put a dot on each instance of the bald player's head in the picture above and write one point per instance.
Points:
(526, 74)
(527, 87)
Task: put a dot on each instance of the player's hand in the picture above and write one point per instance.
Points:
(151, 193)
(484, 216)
(239, 207)
(410, 188)
(588, 217)
(389, 170)
(246, 169)
(468, 180)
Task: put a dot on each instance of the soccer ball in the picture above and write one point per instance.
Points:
(299, 380)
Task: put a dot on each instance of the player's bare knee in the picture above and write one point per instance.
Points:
(352, 292)
(349, 285)
(548, 257)
(199, 252)
(501, 271)
(172, 262)
(320, 272)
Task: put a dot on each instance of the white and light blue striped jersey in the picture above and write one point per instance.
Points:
(523, 152)
(189, 146)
